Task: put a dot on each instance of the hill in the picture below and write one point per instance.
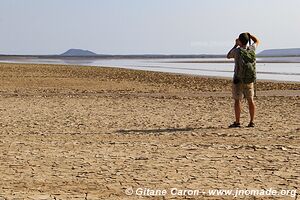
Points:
(280, 52)
(78, 52)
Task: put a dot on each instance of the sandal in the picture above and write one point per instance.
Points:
(251, 125)
(235, 125)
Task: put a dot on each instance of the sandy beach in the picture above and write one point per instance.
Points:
(71, 132)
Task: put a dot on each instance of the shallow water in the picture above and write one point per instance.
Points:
(281, 69)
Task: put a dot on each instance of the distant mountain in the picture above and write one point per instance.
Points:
(280, 52)
(78, 52)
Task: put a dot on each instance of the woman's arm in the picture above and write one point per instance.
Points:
(255, 39)
(230, 53)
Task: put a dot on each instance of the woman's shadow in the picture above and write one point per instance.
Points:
(164, 130)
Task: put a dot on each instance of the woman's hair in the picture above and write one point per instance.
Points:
(244, 38)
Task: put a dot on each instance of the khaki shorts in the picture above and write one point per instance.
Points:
(240, 90)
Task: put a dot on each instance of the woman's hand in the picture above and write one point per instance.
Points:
(237, 42)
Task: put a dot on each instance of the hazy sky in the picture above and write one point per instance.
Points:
(144, 26)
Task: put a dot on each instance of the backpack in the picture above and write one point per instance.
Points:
(248, 74)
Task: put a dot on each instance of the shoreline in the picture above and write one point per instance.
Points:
(171, 73)
(220, 73)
